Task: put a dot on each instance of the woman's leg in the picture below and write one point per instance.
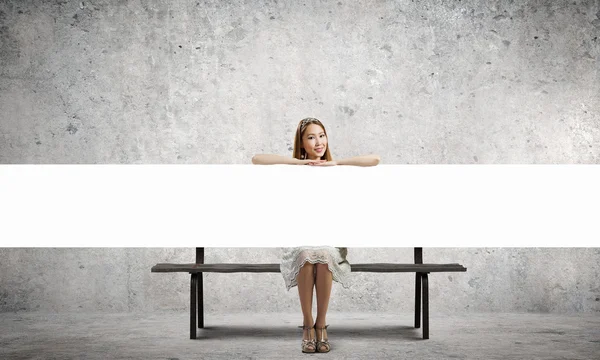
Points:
(323, 284)
(306, 282)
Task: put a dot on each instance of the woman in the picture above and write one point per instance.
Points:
(310, 148)
(315, 267)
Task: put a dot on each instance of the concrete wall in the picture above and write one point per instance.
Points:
(555, 280)
(218, 81)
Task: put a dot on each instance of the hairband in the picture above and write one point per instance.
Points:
(306, 121)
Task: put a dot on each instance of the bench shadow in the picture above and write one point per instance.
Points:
(395, 332)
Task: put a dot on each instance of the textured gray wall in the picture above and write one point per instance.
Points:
(218, 81)
(556, 280)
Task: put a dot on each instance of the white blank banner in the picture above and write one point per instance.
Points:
(285, 205)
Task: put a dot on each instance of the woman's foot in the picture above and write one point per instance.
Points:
(308, 339)
(322, 340)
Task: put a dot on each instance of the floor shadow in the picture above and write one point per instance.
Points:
(395, 332)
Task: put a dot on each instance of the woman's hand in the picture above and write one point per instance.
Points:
(327, 163)
(313, 162)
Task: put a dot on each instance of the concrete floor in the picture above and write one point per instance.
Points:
(276, 336)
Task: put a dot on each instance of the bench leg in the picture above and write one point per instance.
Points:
(200, 291)
(425, 306)
(200, 288)
(417, 300)
(193, 309)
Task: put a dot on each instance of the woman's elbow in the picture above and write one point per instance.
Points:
(256, 160)
(376, 160)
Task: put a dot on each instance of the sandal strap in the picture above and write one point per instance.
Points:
(323, 340)
(309, 346)
(305, 327)
(323, 343)
(308, 342)
(309, 333)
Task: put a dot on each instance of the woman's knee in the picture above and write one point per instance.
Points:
(307, 267)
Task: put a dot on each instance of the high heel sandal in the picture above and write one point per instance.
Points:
(308, 345)
(322, 342)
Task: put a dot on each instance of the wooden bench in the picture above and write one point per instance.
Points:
(197, 288)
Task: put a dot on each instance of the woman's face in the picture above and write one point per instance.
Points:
(314, 141)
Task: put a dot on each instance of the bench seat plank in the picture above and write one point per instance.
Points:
(274, 268)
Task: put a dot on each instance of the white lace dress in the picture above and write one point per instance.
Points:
(293, 259)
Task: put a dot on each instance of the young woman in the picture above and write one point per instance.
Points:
(310, 148)
(315, 267)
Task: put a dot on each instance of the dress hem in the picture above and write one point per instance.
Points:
(293, 283)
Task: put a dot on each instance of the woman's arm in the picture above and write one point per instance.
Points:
(269, 159)
(366, 160)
